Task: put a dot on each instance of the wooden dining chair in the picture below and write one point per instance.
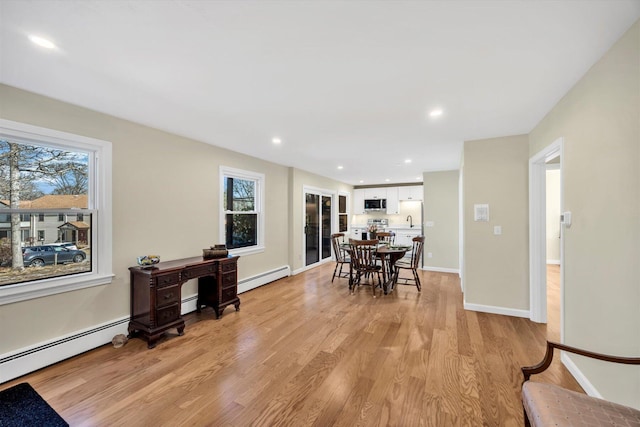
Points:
(386, 237)
(363, 262)
(413, 264)
(341, 256)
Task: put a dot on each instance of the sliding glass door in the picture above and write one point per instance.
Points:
(317, 226)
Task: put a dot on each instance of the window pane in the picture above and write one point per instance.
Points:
(50, 248)
(239, 195)
(241, 230)
(342, 218)
(342, 204)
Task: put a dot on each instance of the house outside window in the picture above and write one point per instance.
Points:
(48, 176)
(242, 217)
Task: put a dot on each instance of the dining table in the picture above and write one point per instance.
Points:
(384, 252)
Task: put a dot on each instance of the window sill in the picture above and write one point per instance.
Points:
(247, 251)
(26, 291)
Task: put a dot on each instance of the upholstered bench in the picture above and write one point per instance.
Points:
(550, 405)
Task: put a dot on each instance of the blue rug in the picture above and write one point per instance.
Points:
(22, 406)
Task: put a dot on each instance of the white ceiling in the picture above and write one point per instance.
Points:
(340, 82)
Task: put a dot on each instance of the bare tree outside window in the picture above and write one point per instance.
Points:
(29, 172)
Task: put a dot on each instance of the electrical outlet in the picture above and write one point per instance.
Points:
(429, 255)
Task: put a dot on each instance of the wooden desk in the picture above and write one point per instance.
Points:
(156, 291)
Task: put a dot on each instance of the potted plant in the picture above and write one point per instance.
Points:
(373, 231)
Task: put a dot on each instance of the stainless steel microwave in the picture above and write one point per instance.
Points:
(375, 204)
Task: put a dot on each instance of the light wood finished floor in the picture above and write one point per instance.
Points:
(303, 352)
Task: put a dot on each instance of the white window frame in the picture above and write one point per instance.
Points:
(259, 179)
(100, 160)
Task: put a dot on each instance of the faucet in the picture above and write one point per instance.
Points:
(410, 219)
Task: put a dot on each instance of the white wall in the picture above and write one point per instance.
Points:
(175, 217)
(553, 216)
(599, 119)
(496, 267)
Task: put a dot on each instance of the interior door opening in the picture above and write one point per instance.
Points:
(540, 288)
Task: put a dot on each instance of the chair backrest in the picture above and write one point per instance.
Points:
(416, 252)
(386, 236)
(336, 239)
(363, 253)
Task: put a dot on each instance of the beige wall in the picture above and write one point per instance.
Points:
(298, 180)
(441, 207)
(599, 120)
(175, 217)
(496, 270)
(553, 215)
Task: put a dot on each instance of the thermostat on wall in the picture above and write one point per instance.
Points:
(481, 212)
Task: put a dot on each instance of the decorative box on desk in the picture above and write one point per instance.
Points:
(156, 291)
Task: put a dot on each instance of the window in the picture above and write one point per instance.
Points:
(73, 173)
(242, 218)
(80, 217)
(343, 212)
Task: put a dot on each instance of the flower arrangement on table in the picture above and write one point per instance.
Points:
(373, 228)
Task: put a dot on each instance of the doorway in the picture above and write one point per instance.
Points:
(318, 216)
(548, 158)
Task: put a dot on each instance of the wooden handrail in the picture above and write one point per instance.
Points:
(527, 371)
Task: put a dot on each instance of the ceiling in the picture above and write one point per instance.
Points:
(341, 83)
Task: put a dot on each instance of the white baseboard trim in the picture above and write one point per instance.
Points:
(32, 358)
(497, 310)
(309, 267)
(258, 280)
(441, 269)
(579, 376)
(553, 261)
(20, 362)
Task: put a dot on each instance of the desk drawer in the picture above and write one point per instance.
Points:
(228, 280)
(199, 271)
(167, 314)
(228, 267)
(168, 295)
(167, 279)
(228, 295)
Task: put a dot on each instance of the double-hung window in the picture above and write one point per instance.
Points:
(242, 216)
(47, 178)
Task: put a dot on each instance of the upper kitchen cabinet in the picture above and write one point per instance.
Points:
(375, 193)
(393, 203)
(413, 192)
(358, 201)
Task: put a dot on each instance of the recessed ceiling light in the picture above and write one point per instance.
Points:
(42, 42)
(387, 180)
(276, 140)
(361, 181)
(418, 177)
(435, 113)
(340, 167)
(407, 160)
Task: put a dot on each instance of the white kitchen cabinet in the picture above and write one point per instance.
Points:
(413, 192)
(358, 201)
(393, 203)
(404, 236)
(375, 193)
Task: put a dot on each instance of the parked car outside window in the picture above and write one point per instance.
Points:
(38, 256)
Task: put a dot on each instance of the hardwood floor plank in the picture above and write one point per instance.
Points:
(304, 351)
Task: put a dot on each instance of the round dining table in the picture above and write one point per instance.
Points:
(389, 271)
